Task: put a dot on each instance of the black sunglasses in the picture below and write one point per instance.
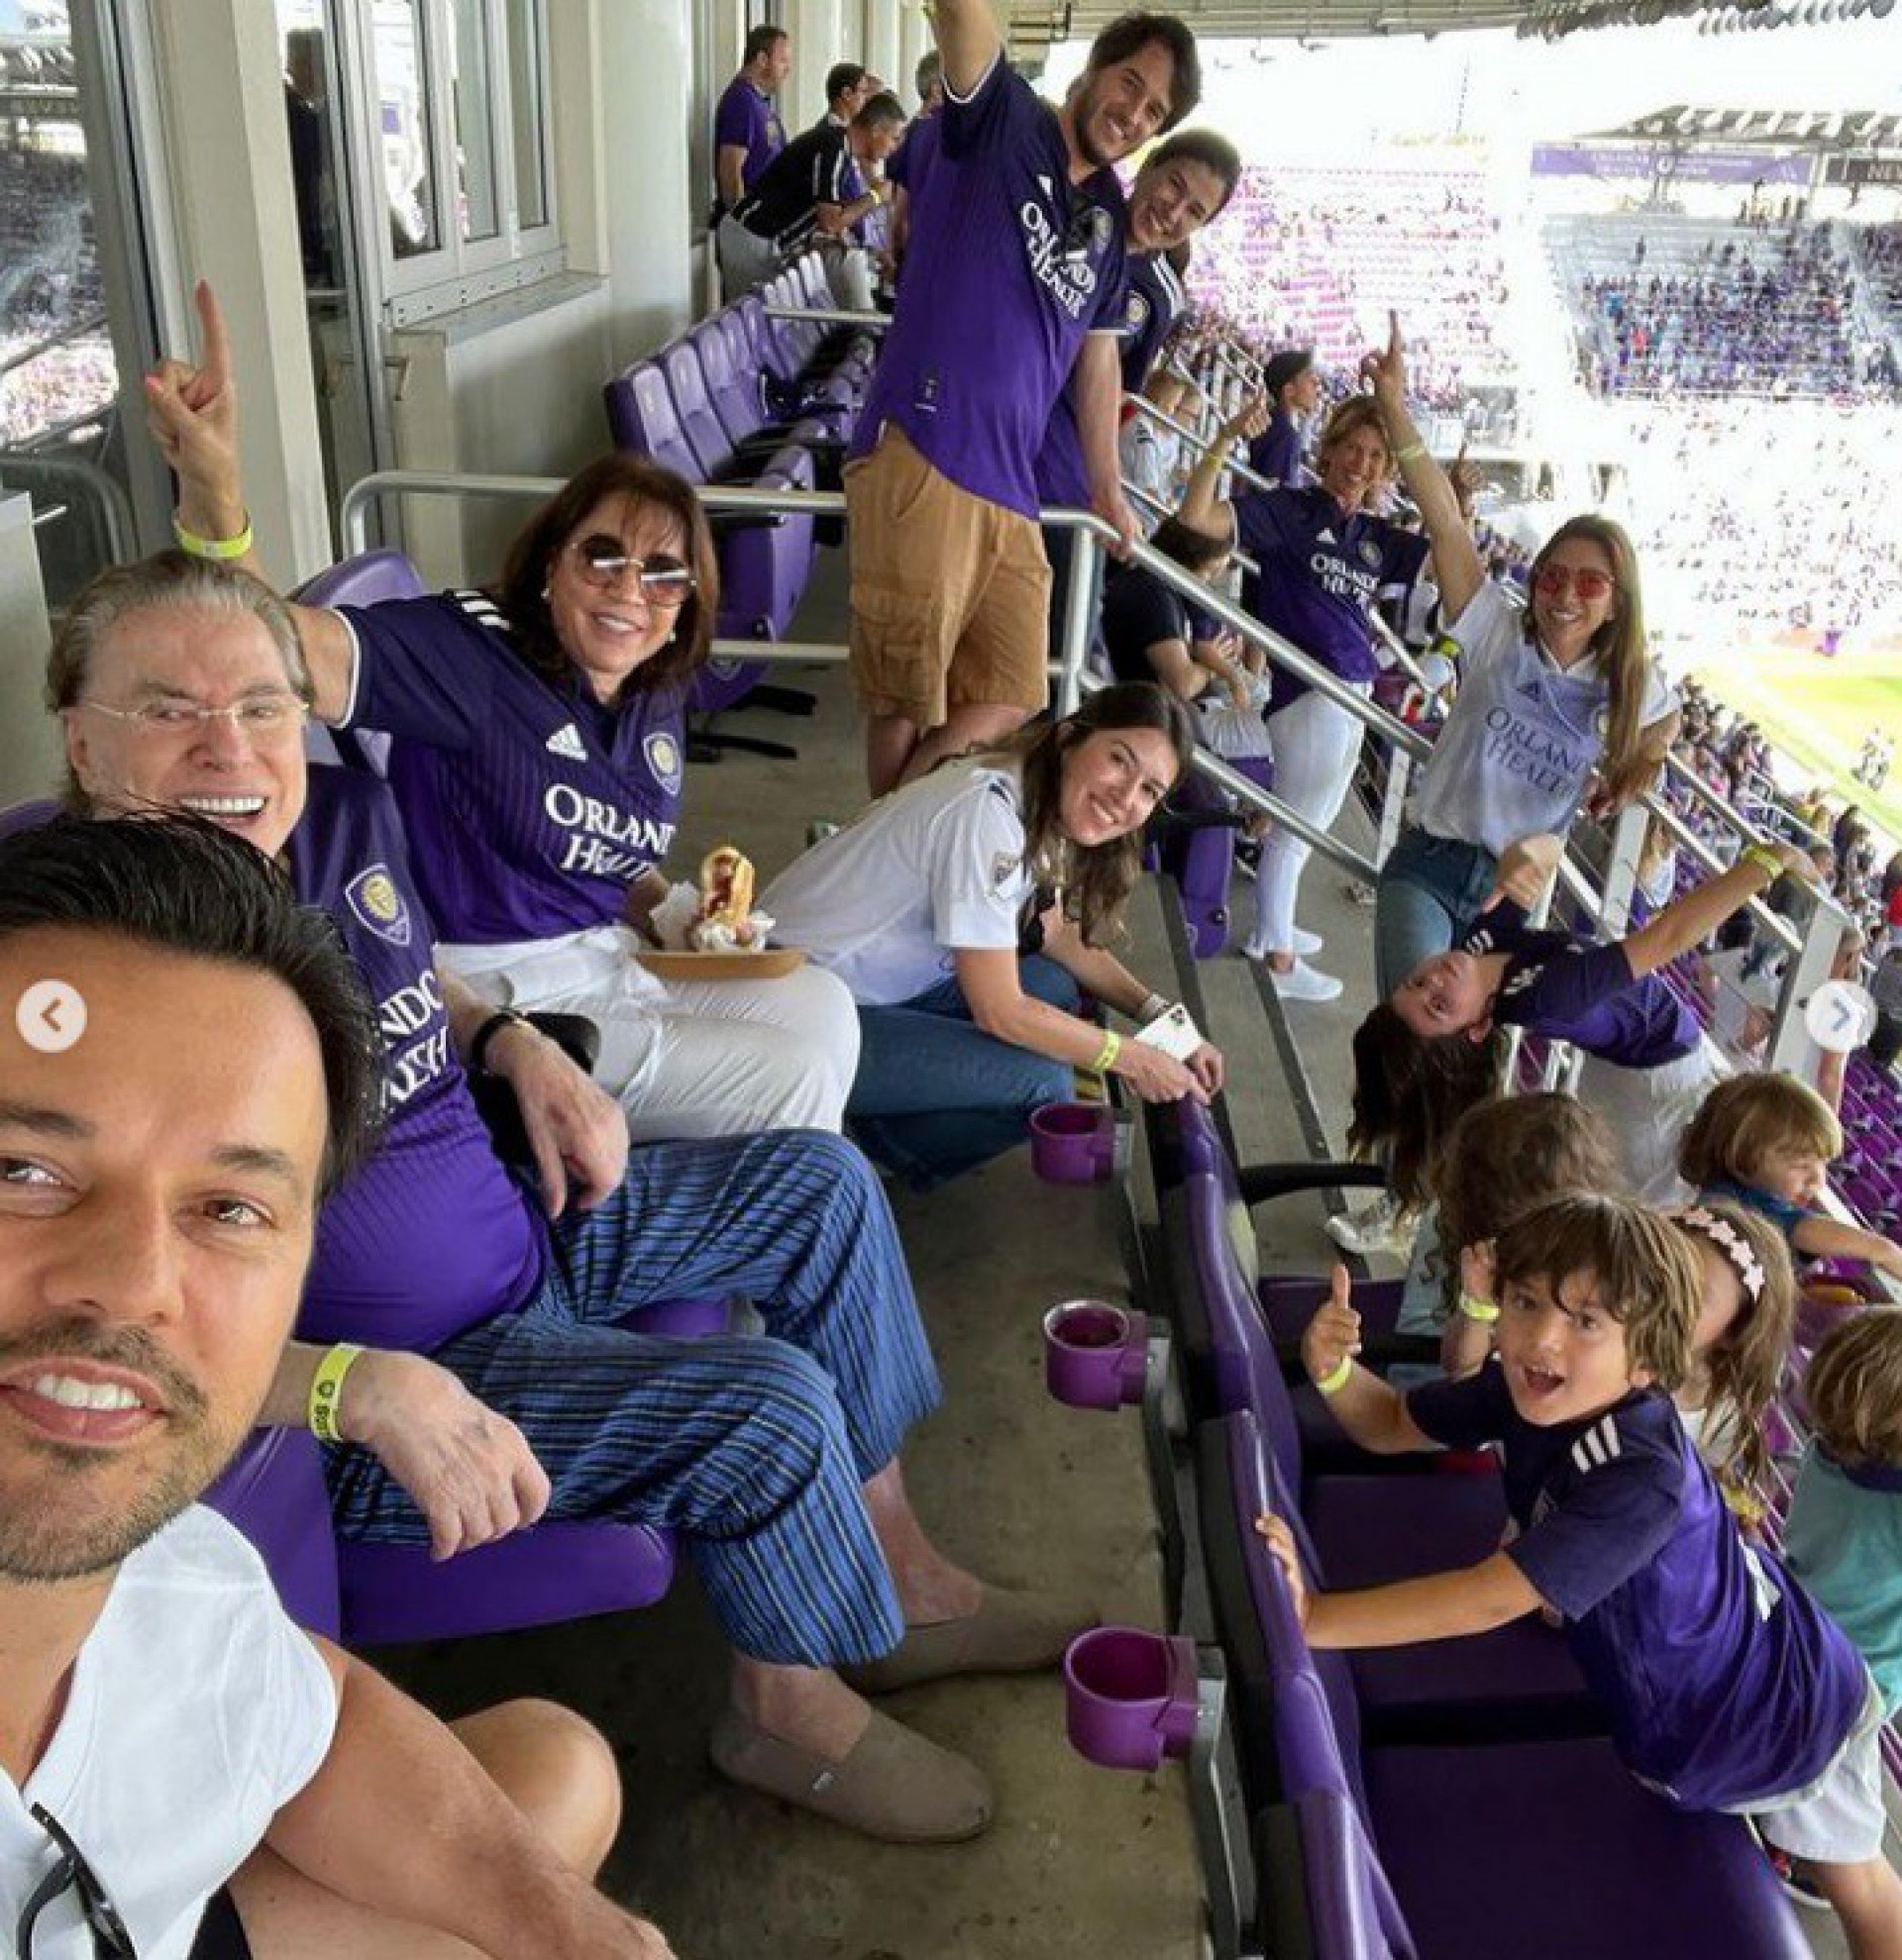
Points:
(110, 1940)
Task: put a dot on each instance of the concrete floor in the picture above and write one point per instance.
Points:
(1078, 1862)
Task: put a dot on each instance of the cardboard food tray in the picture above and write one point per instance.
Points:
(774, 964)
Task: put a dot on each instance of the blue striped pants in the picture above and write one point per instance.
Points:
(753, 1450)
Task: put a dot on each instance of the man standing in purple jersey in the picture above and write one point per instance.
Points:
(1013, 277)
(747, 130)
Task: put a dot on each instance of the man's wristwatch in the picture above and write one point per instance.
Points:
(503, 1017)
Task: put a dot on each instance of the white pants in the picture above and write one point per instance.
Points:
(686, 1058)
(848, 273)
(745, 260)
(1647, 1110)
(1314, 746)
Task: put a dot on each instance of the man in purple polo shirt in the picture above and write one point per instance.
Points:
(1013, 277)
(747, 131)
(1292, 383)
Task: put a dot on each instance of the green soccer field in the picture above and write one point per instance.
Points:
(1817, 713)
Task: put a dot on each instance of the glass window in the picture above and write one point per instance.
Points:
(525, 97)
(472, 89)
(403, 125)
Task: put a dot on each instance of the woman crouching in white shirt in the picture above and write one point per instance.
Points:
(967, 911)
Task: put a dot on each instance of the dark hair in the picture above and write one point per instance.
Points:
(1204, 147)
(1096, 882)
(1129, 34)
(184, 884)
(1410, 1093)
(930, 70)
(1645, 1274)
(761, 40)
(840, 77)
(878, 111)
(531, 558)
(1854, 1390)
(1510, 1153)
(1191, 548)
(1618, 646)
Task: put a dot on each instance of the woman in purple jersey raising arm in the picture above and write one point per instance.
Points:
(1323, 558)
(536, 754)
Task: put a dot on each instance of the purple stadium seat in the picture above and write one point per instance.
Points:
(363, 580)
(534, 1578)
(765, 560)
(272, 1491)
(1371, 1525)
(1582, 1860)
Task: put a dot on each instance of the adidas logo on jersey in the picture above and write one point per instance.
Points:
(567, 741)
(1326, 537)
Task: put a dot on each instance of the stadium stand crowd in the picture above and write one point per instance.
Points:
(434, 1164)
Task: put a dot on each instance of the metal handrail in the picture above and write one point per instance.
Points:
(832, 316)
(56, 472)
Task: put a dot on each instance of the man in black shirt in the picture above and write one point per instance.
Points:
(815, 189)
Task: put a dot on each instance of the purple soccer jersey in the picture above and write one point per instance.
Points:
(432, 1235)
(1276, 451)
(1573, 989)
(1723, 1681)
(910, 162)
(1321, 573)
(1010, 267)
(1152, 303)
(530, 807)
(746, 117)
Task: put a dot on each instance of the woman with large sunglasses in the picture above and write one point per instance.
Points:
(1560, 706)
(537, 745)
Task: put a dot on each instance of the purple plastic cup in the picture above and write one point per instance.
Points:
(1073, 1143)
(1095, 1355)
(1129, 1697)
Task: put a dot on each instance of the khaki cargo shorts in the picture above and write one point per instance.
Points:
(950, 593)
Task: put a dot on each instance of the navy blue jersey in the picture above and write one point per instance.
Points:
(1010, 266)
(1575, 990)
(1723, 1681)
(530, 805)
(432, 1235)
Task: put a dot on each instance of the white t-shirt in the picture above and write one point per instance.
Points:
(197, 1709)
(934, 868)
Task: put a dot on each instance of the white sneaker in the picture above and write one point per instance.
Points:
(1305, 982)
(1379, 1228)
(1304, 943)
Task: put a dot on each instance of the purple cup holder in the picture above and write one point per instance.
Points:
(1130, 1697)
(1095, 1355)
(1076, 1143)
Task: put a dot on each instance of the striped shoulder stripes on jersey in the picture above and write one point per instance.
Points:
(1170, 280)
(1599, 1444)
(483, 610)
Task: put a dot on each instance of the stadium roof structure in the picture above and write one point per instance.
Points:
(1037, 25)
(1768, 128)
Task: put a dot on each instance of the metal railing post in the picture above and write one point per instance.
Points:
(1077, 617)
(1392, 804)
(1790, 1045)
(1625, 842)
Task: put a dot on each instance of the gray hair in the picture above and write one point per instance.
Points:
(168, 582)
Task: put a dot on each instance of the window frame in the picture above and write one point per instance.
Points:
(460, 272)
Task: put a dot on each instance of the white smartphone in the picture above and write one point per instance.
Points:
(1173, 1032)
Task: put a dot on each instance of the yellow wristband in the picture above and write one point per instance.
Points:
(1766, 860)
(216, 549)
(1475, 1308)
(1107, 1054)
(1332, 1385)
(326, 1391)
(1407, 454)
